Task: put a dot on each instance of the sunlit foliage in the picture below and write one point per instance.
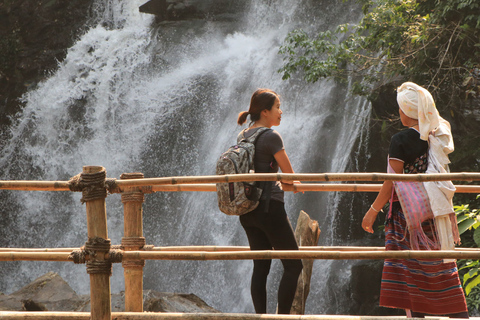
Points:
(433, 42)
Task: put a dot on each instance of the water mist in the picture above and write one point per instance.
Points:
(163, 99)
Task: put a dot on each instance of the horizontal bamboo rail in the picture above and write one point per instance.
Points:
(246, 248)
(212, 248)
(285, 254)
(346, 187)
(218, 249)
(288, 177)
(210, 187)
(45, 315)
(38, 249)
(32, 185)
(256, 255)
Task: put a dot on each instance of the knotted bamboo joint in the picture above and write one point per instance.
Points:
(90, 249)
(137, 194)
(133, 197)
(115, 256)
(133, 242)
(97, 244)
(96, 250)
(92, 185)
(78, 256)
(99, 267)
(111, 185)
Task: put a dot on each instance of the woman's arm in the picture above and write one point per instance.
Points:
(284, 163)
(382, 198)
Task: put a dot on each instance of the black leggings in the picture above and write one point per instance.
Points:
(267, 231)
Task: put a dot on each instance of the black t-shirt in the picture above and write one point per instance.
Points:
(407, 147)
(269, 143)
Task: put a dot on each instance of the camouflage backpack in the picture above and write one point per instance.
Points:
(237, 198)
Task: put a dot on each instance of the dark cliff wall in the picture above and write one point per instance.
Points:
(34, 36)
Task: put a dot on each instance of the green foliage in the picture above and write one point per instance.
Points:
(468, 226)
(473, 299)
(431, 42)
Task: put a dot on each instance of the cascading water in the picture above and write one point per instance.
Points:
(164, 101)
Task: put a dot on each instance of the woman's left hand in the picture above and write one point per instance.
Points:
(368, 220)
(290, 186)
(297, 182)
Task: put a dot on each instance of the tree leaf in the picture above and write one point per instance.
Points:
(465, 225)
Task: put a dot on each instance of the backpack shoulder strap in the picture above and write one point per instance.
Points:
(254, 137)
(241, 135)
(258, 133)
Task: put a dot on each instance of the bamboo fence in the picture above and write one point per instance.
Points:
(191, 316)
(206, 183)
(255, 255)
(98, 255)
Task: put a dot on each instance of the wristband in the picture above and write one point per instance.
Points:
(377, 211)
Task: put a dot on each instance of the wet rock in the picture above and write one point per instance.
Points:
(48, 292)
(174, 10)
(154, 301)
(51, 293)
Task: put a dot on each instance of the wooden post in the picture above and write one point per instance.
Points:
(307, 233)
(98, 244)
(133, 240)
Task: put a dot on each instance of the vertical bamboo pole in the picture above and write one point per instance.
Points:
(133, 240)
(100, 300)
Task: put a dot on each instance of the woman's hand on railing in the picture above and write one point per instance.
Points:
(369, 219)
(290, 186)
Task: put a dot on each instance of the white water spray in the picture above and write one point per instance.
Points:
(164, 101)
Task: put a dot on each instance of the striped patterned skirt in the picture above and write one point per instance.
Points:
(426, 286)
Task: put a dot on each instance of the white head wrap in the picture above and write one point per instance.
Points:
(417, 103)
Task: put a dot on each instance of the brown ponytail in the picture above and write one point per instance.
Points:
(242, 117)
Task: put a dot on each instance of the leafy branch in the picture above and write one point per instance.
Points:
(431, 42)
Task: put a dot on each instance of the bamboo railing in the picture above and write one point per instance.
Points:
(190, 316)
(98, 254)
(254, 255)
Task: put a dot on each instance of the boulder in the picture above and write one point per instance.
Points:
(51, 293)
(154, 301)
(48, 292)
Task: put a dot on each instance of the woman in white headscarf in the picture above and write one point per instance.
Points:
(419, 286)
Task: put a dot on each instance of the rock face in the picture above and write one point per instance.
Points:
(172, 10)
(51, 293)
(34, 36)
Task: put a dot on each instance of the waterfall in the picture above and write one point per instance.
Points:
(163, 99)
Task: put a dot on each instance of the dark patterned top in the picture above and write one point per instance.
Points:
(266, 147)
(407, 147)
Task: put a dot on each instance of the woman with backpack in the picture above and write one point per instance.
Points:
(419, 286)
(267, 227)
